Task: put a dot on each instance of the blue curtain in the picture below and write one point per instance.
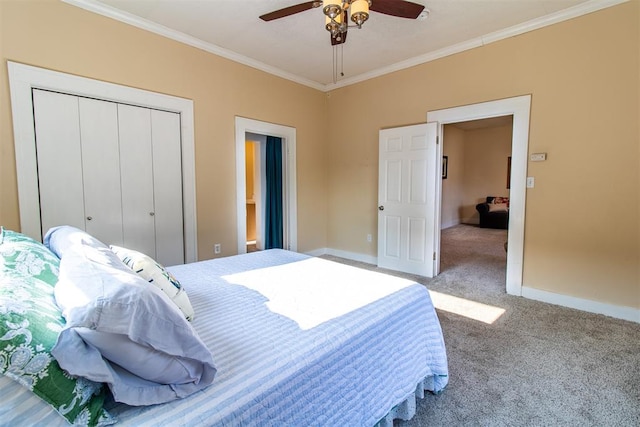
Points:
(273, 232)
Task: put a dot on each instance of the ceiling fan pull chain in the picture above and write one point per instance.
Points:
(335, 66)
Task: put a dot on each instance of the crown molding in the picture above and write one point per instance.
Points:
(554, 18)
(525, 27)
(136, 21)
(412, 62)
(534, 24)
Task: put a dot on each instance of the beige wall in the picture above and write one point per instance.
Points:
(453, 186)
(249, 167)
(57, 36)
(582, 230)
(485, 167)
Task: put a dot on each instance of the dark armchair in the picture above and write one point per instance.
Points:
(494, 215)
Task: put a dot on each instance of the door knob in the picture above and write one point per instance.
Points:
(381, 207)
(89, 218)
(152, 213)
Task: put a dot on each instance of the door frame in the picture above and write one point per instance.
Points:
(22, 78)
(289, 198)
(520, 108)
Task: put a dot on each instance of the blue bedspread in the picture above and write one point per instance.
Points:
(303, 341)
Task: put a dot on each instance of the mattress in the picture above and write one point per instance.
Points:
(297, 341)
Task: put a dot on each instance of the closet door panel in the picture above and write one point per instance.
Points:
(136, 173)
(167, 179)
(101, 169)
(59, 159)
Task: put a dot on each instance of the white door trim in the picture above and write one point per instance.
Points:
(290, 210)
(520, 108)
(22, 78)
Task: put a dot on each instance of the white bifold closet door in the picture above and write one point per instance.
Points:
(113, 170)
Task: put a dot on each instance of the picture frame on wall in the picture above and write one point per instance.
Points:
(445, 166)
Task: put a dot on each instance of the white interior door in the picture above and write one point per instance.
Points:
(136, 173)
(101, 170)
(59, 155)
(111, 169)
(26, 82)
(167, 184)
(406, 198)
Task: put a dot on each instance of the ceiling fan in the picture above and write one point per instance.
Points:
(338, 13)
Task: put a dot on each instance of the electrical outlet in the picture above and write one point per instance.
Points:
(217, 248)
(369, 238)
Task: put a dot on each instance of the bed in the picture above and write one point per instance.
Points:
(295, 340)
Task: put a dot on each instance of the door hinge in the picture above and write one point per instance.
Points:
(437, 139)
(434, 256)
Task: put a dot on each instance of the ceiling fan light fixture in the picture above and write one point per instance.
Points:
(360, 11)
(332, 8)
(335, 25)
(339, 13)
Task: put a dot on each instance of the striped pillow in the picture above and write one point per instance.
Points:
(155, 273)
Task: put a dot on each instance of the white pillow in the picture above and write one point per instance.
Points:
(155, 273)
(112, 312)
(498, 207)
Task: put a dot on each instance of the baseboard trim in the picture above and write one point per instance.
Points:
(353, 256)
(317, 252)
(619, 312)
(449, 224)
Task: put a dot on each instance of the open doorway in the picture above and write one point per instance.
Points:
(264, 192)
(250, 134)
(519, 107)
(475, 199)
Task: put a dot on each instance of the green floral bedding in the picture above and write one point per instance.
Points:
(30, 322)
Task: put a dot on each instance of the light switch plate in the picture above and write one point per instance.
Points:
(531, 182)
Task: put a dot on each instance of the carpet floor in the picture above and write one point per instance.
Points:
(536, 364)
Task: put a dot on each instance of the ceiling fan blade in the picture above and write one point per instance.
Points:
(290, 10)
(399, 8)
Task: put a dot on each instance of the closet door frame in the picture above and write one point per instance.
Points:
(24, 78)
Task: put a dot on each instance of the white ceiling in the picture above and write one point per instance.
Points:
(298, 47)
